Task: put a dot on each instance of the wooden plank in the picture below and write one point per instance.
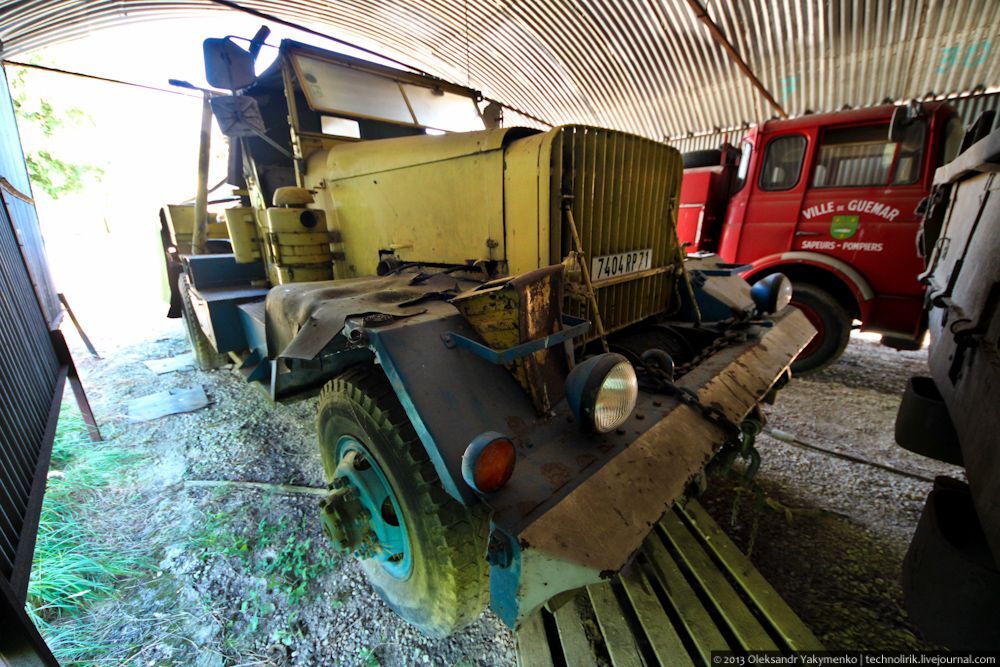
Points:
(576, 647)
(782, 618)
(726, 599)
(659, 629)
(697, 621)
(618, 635)
(532, 644)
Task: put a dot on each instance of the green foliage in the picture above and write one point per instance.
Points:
(276, 552)
(217, 539)
(75, 567)
(295, 565)
(55, 176)
(367, 658)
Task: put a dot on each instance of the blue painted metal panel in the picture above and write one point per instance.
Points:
(209, 271)
(252, 316)
(223, 322)
(450, 395)
(573, 327)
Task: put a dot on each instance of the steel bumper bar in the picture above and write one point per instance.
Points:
(590, 532)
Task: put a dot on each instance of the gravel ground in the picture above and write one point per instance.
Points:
(835, 554)
(232, 558)
(244, 576)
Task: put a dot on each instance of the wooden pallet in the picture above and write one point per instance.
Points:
(689, 591)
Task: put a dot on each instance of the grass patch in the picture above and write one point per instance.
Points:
(297, 563)
(280, 553)
(75, 566)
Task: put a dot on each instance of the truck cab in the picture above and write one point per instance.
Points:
(831, 201)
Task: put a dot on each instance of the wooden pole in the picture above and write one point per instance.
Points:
(713, 29)
(199, 241)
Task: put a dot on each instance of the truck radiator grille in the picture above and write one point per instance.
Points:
(624, 198)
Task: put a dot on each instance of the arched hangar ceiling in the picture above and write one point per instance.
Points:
(651, 67)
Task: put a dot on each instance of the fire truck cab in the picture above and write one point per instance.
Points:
(830, 200)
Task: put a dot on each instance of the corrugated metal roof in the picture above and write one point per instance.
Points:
(645, 66)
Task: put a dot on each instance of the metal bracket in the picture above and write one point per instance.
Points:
(572, 327)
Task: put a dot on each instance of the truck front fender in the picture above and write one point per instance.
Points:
(449, 394)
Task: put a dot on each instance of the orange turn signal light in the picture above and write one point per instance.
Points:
(488, 462)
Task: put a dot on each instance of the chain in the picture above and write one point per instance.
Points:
(739, 437)
(730, 337)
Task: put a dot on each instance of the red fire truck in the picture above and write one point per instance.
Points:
(830, 200)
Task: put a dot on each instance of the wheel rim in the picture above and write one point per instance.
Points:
(376, 495)
(814, 319)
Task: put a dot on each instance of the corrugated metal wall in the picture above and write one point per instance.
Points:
(29, 368)
(21, 212)
(968, 108)
(644, 66)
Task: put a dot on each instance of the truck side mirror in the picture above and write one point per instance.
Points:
(238, 116)
(902, 118)
(897, 126)
(227, 65)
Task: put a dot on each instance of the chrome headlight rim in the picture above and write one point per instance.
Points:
(602, 392)
(772, 294)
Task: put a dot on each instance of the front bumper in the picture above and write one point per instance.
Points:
(597, 519)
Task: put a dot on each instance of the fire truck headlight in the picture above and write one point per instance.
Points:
(602, 392)
(771, 294)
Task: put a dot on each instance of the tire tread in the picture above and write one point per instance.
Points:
(454, 528)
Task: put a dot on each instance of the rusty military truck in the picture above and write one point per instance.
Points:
(518, 370)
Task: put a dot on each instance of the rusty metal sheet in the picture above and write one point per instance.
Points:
(163, 403)
(964, 287)
(182, 362)
(302, 318)
(517, 310)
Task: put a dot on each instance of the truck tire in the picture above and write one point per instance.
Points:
(447, 586)
(204, 354)
(833, 328)
(706, 158)
(951, 584)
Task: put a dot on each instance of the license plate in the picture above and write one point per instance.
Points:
(609, 266)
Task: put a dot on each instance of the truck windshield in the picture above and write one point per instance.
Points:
(864, 156)
(782, 163)
(331, 88)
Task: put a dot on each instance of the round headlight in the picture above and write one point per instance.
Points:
(602, 392)
(772, 293)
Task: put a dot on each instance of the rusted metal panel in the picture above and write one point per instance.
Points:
(650, 68)
(964, 290)
(32, 377)
(622, 193)
(30, 369)
(524, 308)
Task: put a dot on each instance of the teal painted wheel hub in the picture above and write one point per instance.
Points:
(360, 473)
